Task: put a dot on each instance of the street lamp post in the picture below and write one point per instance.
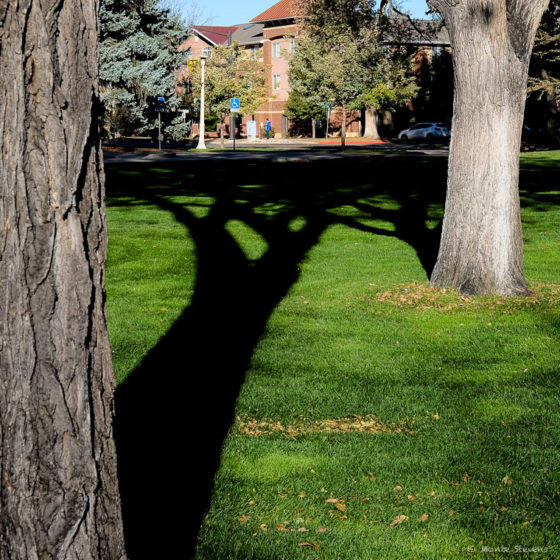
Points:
(201, 145)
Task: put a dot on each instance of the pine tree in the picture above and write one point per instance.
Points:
(138, 60)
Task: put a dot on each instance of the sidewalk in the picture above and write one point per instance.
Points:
(215, 143)
(258, 142)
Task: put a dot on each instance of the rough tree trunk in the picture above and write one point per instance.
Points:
(58, 486)
(371, 124)
(482, 245)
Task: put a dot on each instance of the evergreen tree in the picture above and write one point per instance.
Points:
(138, 60)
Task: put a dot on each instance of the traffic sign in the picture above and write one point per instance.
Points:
(160, 104)
(192, 63)
(235, 105)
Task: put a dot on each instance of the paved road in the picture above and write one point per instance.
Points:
(277, 151)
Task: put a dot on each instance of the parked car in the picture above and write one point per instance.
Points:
(424, 131)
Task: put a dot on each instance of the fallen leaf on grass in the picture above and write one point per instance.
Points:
(398, 520)
(321, 530)
(412, 498)
(507, 480)
(301, 495)
(452, 512)
(424, 517)
(331, 501)
(263, 527)
(340, 507)
(281, 527)
(243, 519)
(311, 544)
(303, 530)
(397, 487)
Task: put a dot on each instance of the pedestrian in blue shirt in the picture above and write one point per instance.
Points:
(267, 127)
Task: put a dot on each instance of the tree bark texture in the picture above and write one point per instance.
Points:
(58, 484)
(481, 247)
(371, 123)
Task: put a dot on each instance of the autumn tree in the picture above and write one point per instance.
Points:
(231, 71)
(58, 491)
(481, 248)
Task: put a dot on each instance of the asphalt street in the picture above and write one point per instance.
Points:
(273, 151)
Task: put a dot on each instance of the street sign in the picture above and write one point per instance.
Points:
(192, 63)
(160, 105)
(235, 105)
(251, 129)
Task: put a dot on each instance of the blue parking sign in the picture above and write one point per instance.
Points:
(235, 105)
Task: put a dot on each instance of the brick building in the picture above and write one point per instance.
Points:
(272, 36)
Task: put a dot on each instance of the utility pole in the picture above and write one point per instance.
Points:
(201, 145)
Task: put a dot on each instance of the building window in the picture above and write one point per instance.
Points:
(275, 50)
(276, 81)
(292, 45)
(207, 52)
(256, 51)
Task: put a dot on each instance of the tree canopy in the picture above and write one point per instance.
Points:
(232, 71)
(342, 57)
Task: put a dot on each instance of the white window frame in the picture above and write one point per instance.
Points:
(276, 49)
(207, 52)
(276, 80)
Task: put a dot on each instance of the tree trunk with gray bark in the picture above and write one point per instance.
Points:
(481, 247)
(58, 483)
(371, 123)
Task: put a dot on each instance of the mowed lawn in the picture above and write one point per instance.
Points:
(366, 416)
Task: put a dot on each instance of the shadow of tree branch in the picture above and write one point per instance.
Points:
(173, 412)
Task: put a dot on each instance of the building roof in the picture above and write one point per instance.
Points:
(285, 9)
(248, 33)
(214, 34)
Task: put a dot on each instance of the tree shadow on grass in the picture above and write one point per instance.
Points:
(173, 412)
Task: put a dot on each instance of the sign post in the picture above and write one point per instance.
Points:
(234, 107)
(160, 108)
(328, 107)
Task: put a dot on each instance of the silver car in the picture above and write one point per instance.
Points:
(424, 131)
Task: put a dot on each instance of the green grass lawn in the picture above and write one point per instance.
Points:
(367, 416)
